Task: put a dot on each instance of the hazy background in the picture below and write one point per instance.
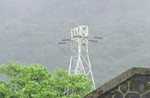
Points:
(30, 30)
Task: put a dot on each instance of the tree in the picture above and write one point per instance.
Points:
(35, 81)
(4, 90)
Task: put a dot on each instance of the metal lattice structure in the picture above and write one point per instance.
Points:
(79, 61)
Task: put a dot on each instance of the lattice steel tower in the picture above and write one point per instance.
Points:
(79, 61)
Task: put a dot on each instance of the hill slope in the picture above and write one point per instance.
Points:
(30, 30)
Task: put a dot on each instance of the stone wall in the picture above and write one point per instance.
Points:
(134, 83)
(136, 87)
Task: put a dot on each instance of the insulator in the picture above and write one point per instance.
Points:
(65, 39)
(93, 41)
(98, 37)
(61, 42)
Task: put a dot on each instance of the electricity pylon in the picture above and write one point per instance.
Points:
(79, 61)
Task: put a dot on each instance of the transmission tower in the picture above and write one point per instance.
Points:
(79, 61)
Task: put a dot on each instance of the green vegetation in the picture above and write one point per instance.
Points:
(35, 81)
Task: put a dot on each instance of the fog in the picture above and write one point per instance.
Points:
(30, 30)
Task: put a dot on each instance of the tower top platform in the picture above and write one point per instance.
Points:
(80, 32)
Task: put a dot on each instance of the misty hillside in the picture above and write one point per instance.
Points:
(30, 30)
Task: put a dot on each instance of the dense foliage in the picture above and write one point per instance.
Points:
(35, 81)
